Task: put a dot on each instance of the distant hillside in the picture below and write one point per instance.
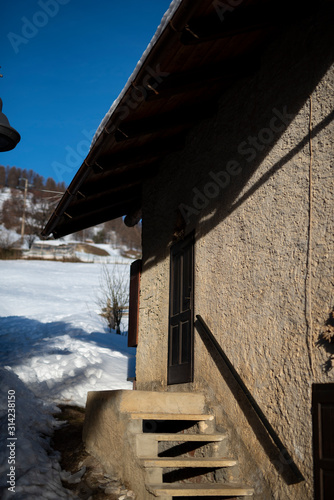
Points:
(28, 213)
(34, 212)
(13, 177)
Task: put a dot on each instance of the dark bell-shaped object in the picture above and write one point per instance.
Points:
(9, 137)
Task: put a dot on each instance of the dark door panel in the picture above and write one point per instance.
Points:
(180, 343)
(323, 441)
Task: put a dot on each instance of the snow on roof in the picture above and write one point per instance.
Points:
(165, 20)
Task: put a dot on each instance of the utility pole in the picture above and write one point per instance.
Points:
(26, 185)
(24, 208)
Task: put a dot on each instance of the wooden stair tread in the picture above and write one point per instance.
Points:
(188, 462)
(186, 437)
(200, 489)
(170, 416)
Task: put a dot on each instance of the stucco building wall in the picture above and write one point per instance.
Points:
(257, 188)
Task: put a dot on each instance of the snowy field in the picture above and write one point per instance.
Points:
(54, 349)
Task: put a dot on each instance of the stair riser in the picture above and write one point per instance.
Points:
(147, 426)
(147, 447)
(194, 449)
(188, 475)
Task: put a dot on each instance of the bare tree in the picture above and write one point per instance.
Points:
(12, 210)
(117, 233)
(8, 241)
(39, 212)
(114, 297)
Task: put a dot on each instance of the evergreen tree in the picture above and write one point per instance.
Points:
(2, 176)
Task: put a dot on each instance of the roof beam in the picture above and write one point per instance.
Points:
(151, 151)
(238, 20)
(221, 75)
(175, 121)
(105, 214)
(113, 181)
(106, 198)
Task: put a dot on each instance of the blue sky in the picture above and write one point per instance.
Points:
(63, 64)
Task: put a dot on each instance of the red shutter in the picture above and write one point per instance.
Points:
(135, 273)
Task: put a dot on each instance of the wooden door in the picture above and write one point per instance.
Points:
(323, 441)
(181, 330)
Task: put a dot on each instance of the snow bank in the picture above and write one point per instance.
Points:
(5, 194)
(37, 470)
(54, 348)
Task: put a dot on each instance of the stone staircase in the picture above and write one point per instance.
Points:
(172, 451)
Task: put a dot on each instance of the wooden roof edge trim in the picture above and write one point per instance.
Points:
(66, 199)
(147, 67)
(185, 8)
(80, 223)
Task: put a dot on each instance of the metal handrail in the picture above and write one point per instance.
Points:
(284, 452)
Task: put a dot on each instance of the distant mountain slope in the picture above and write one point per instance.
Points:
(28, 214)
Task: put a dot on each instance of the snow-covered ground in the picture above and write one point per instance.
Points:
(54, 348)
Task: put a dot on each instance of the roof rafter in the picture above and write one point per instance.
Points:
(181, 118)
(240, 19)
(150, 151)
(222, 74)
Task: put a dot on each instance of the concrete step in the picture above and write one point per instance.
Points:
(185, 438)
(127, 401)
(196, 417)
(210, 462)
(197, 490)
(170, 402)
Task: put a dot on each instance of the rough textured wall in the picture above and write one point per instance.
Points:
(264, 251)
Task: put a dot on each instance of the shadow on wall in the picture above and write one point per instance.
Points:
(227, 152)
(284, 465)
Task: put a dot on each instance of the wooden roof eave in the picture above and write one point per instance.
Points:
(184, 12)
(134, 136)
